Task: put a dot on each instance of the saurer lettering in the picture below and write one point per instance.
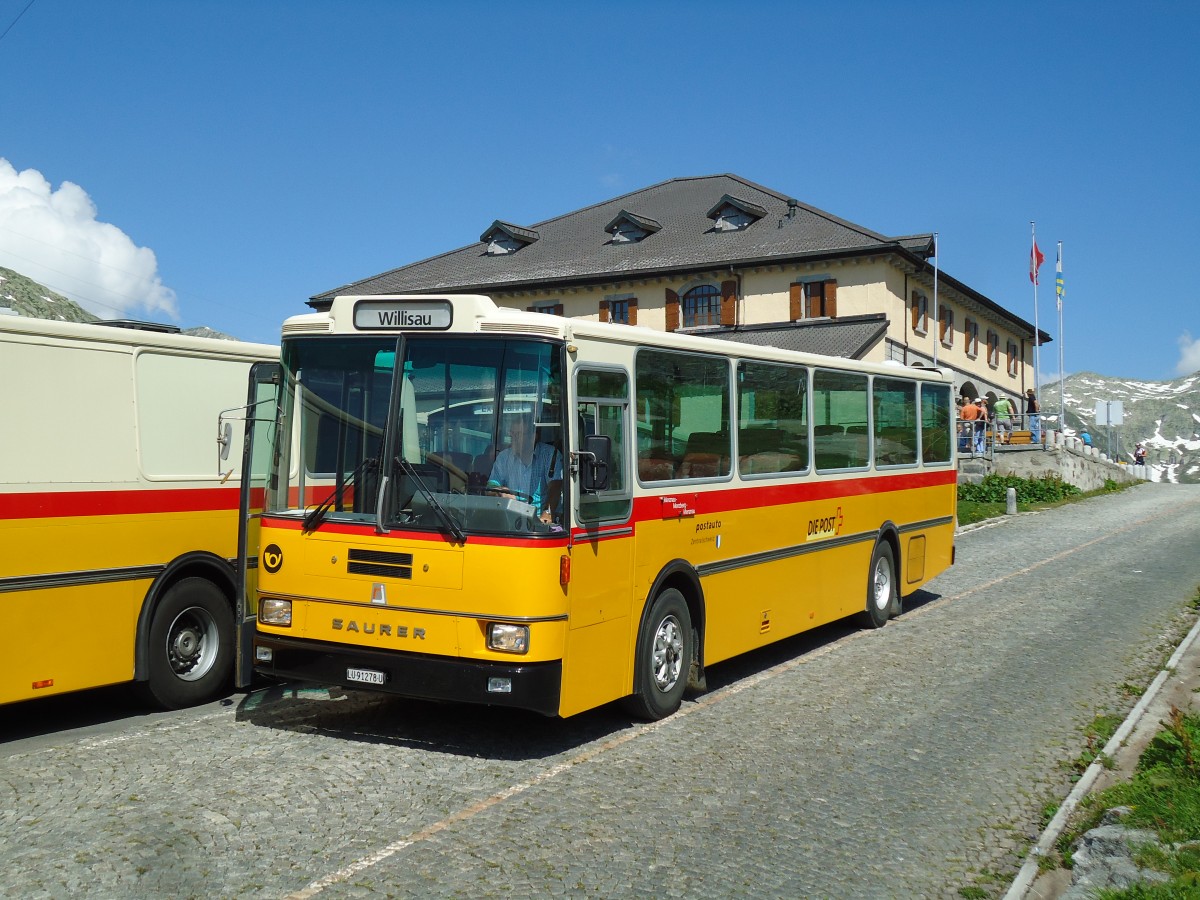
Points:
(398, 631)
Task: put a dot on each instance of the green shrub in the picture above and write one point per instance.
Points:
(994, 489)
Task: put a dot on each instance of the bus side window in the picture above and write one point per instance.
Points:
(603, 409)
(839, 399)
(683, 414)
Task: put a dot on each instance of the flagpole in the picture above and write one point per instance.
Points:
(937, 337)
(1062, 373)
(1037, 335)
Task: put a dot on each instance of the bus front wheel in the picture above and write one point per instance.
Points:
(664, 658)
(882, 596)
(191, 645)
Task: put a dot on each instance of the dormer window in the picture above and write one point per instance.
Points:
(732, 214)
(628, 228)
(504, 238)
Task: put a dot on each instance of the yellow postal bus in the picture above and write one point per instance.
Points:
(119, 509)
(478, 504)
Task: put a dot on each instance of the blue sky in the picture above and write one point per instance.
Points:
(217, 162)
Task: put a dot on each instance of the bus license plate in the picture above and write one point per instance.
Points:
(365, 676)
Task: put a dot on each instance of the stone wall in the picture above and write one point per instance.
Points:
(1085, 467)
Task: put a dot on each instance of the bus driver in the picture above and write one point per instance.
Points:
(528, 470)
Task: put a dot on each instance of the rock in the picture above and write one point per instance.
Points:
(1103, 858)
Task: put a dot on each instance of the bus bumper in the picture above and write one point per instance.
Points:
(533, 686)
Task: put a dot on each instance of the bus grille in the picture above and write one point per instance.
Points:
(380, 564)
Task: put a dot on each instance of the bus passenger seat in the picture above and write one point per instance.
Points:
(706, 455)
(656, 468)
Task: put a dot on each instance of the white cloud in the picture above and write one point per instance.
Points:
(1189, 355)
(53, 237)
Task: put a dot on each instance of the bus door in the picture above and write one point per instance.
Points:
(601, 586)
(259, 444)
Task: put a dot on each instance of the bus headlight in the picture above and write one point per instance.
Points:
(272, 611)
(508, 638)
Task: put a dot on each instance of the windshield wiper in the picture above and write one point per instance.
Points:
(448, 520)
(316, 515)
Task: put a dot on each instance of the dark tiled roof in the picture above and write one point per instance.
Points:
(850, 337)
(576, 248)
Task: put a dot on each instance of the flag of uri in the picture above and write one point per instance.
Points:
(1058, 279)
(1035, 260)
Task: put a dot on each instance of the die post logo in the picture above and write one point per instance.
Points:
(272, 558)
(825, 526)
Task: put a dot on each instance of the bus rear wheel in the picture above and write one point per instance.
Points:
(882, 591)
(664, 658)
(191, 646)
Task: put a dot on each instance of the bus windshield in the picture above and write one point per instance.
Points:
(460, 434)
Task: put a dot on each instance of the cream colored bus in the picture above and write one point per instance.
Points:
(119, 509)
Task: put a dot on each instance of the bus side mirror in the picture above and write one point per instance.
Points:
(594, 462)
(224, 439)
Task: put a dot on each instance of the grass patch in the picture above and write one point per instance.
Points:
(989, 498)
(1163, 796)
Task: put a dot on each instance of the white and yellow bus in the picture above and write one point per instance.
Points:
(714, 497)
(119, 509)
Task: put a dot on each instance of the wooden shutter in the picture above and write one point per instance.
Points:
(603, 310)
(672, 309)
(633, 310)
(728, 303)
(557, 309)
(795, 301)
(942, 324)
(916, 311)
(830, 291)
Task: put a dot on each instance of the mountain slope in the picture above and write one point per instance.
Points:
(1162, 415)
(28, 298)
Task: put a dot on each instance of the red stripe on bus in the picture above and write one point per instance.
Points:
(705, 502)
(64, 504)
(699, 502)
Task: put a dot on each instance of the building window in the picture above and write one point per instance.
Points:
(971, 330)
(549, 307)
(702, 306)
(628, 228)
(622, 310)
(732, 219)
(1012, 358)
(920, 312)
(946, 325)
(732, 214)
(821, 297)
(993, 349)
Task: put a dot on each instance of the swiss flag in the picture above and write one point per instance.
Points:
(1035, 261)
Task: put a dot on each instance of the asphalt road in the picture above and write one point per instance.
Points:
(910, 761)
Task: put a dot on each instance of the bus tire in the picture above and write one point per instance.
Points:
(882, 591)
(190, 654)
(664, 658)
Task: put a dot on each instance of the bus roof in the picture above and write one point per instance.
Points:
(133, 337)
(475, 314)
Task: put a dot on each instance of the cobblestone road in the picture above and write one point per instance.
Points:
(910, 761)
